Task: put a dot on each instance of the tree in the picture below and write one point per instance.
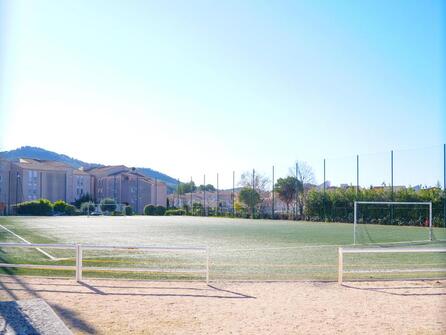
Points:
(287, 189)
(197, 208)
(260, 181)
(250, 198)
(258, 184)
(187, 187)
(207, 188)
(108, 205)
(305, 175)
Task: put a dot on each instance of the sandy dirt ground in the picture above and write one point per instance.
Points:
(136, 307)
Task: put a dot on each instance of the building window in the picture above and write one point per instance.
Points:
(80, 186)
(32, 185)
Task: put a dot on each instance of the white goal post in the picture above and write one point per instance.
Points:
(347, 250)
(391, 203)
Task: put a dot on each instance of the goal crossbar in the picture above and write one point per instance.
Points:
(390, 203)
(347, 250)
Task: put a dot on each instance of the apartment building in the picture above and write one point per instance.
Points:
(127, 186)
(31, 179)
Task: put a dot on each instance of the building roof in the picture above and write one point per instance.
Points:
(107, 170)
(39, 164)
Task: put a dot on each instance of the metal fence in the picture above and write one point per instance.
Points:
(391, 171)
(79, 267)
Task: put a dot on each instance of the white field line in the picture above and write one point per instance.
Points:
(27, 242)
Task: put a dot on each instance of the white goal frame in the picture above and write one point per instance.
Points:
(355, 212)
(347, 250)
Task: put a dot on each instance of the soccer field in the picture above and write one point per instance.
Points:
(240, 249)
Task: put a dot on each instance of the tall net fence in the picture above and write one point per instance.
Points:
(325, 189)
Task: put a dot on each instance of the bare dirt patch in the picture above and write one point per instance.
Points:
(138, 307)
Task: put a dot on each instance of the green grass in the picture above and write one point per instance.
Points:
(240, 249)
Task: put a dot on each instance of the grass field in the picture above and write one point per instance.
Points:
(239, 249)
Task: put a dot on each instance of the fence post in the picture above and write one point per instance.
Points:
(207, 265)
(78, 262)
(340, 265)
(430, 222)
(354, 221)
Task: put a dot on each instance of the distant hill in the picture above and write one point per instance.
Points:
(39, 153)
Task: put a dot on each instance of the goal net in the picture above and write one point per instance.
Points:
(391, 222)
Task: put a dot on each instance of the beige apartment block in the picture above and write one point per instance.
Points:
(32, 179)
(127, 186)
(159, 193)
(35, 179)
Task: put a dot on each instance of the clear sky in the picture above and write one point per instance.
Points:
(193, 87)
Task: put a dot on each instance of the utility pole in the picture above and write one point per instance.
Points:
(216, 209)
(204, 195)
(137, 194)
(297, 189)
(273, 202)
(325, 215)
(391, 183)
(391, 172)
(357, 176)
(252, 194)
(191, 204)
(233, 193)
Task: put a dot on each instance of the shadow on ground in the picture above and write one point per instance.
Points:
(70, 317)
(407, 293)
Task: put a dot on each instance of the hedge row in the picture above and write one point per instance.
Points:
(337, 206)
(44, 207)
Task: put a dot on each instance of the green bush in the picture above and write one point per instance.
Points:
(149, 210)
(59, 207)
(160, 210)
(171, 212)
(154, 210)
(128, 210)
(108, 205)
(70, 210)
(116, 213)
(39, 207)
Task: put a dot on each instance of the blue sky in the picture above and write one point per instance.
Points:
(193, 87)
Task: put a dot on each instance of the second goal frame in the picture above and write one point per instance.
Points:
(391, 203)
